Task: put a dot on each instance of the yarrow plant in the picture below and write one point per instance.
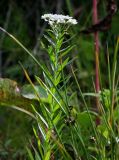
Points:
(59, 27)
(57, 53)
(52, 120)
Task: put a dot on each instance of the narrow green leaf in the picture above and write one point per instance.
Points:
(30, 154)
(49, 40)
(57, 118)
(47, 155)
(66, 50)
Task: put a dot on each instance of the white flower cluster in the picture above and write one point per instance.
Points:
(59, 19)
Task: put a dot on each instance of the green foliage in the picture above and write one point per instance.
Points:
(12, 131)
(68, 127)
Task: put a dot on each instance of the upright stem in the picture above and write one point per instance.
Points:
(96, 49)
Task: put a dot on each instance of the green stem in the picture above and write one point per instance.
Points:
(113, 78)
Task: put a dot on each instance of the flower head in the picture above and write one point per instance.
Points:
(59, 19)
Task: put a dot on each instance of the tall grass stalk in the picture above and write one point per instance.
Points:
(113, 80)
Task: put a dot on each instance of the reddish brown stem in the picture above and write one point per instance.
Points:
(97, 83)
(96, 48)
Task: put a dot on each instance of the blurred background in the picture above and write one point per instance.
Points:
(23, 20)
